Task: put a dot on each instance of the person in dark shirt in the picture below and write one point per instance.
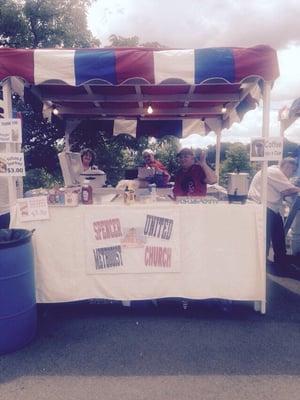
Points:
(193, 176)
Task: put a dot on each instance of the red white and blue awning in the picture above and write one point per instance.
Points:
(108, 84)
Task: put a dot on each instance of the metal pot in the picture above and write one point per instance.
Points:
(238, 186)
(96, 178)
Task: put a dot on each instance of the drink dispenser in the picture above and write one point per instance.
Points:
(238, 186)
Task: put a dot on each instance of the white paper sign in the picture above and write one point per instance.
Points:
(33, 208)
(12, 164)
(134, 241)
(270, 149)
(10, 130)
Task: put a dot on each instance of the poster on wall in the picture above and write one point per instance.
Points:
(10, 130)
(33, 208)
(134, 241)
(12, 164)
(269, 149)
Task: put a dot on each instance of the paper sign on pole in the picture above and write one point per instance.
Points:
(10, 130)
(12, 164)
(270, 149)
(33, 208)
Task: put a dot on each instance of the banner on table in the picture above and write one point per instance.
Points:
(12, 164)
(10, 130)
(134, 241)
(33, 208)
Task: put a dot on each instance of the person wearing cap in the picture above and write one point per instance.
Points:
(162, 175)
(193, 176)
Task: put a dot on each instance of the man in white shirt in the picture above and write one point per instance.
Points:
(278, 187)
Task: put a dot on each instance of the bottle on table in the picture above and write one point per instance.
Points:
(126, 195)
(86, 193)
(152, 189)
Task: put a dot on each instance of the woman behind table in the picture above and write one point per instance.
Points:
(88, 159)
(193, 176)
(160, 169)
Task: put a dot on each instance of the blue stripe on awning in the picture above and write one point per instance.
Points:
(93, 64)
(214, 63)
(159, 128)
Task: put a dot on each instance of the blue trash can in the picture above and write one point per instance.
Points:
(18, 317)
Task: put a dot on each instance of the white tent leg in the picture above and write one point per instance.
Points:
(260, 306)
(218, 154)
(265, 134)
(7, 93)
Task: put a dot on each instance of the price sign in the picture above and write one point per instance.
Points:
(33, 208)
(270, 149)
(10, 130)
(12, 164)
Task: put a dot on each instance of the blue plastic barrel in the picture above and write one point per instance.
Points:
(18, 317)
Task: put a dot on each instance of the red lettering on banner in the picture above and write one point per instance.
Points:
(156, 256)
(107, 229)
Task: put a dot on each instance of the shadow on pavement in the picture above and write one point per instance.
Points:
(210, 337)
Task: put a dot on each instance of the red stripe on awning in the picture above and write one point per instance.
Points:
(134, 64)
(256, 61)
(17, 62)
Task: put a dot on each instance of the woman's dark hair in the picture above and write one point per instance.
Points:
(92, 154)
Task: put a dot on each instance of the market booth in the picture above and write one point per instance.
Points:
(150, 249)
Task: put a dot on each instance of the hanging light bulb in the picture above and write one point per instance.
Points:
(223, 109)
(149, 109)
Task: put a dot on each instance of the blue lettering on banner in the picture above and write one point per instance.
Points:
(108, 257)
(158, 227)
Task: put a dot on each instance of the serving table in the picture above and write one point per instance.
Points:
(149, 251)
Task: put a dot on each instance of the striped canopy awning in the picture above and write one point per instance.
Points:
(190, 90)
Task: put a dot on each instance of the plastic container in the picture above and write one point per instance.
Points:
(153, 192)
(17, 290)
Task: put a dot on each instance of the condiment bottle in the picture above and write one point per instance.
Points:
(152, 189)
(131, 196)
(126, 195)
(86, 193)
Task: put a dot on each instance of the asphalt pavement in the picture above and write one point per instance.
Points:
(212, 350)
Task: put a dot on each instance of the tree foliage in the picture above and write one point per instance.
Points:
(132, 41)
(45, 23)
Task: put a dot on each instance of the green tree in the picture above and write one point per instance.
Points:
(237, 160)
(45, 23)
(132, 41)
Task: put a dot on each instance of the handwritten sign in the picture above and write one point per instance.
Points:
(196, 200)
(12, 164)
(10, 130)
(270, 149)
(33, 208)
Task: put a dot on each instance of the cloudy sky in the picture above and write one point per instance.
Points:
(215, 23)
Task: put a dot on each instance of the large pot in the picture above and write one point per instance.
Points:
(238, 186)
(96, 178)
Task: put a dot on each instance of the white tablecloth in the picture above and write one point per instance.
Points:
(220, 255)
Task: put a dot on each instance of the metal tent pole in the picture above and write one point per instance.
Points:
(218, 154)
(9, 147)
(265, 134)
